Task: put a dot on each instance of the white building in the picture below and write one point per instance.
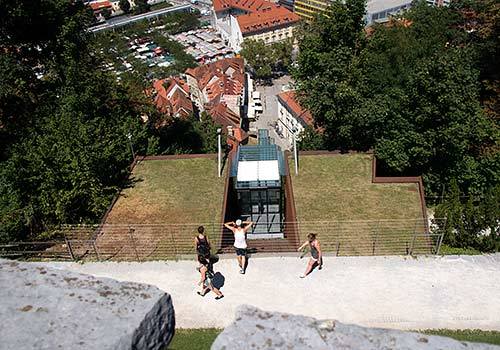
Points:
(292, 118)
(237, 20)
(379, 11)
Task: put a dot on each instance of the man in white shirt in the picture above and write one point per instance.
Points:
(240, 243)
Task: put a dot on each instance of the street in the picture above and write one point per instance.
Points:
(269, 115)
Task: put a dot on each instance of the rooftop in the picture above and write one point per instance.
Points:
(267, 18)
(288, 99)
(225, 76)
(98, 5)
(259, 165)
(172, 97)
(260, 14)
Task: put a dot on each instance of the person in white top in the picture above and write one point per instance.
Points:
(240, 243)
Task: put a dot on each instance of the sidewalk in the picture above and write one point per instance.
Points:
(391, 292)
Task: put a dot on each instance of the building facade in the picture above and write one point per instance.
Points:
(237, 20)
(292, 118)
(380, 11)
(307, 9)
(377, 11)
(257, 181)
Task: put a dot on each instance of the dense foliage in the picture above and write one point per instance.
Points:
(66, 125)
(422, 91)
(267, 60)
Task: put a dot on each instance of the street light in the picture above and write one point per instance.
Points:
(219, 150)
(129, 136)
(295, 151)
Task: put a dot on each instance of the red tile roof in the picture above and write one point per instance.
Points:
(223, 77)
(224, 116)
(100, 5)
(246, 5)
(266, 19)
(261, 14)
(172, 97)
(288, 98)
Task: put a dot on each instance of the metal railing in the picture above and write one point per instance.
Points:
(142, 242)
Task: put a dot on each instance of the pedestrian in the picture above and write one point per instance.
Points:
(316, 255)
(207, 275)
(201, 245)
(240, 243)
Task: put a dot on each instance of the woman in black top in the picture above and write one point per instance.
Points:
(201, 243)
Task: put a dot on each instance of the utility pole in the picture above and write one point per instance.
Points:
(219, 151)
(129, 136)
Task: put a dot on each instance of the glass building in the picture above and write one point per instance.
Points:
(258, 174)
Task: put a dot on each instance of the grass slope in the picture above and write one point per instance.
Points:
(171, 192)
(472, 335)
(360, 214)
(194, 339)
(202, 339)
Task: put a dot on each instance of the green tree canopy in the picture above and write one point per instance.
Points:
(420, 90)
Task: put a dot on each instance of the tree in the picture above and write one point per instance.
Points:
(67, 148)
(259, 57)
(414, 91)
(106, 13)
(141, 6)
(124, 6)
(267, 59)
(310, 140)
(328, 73)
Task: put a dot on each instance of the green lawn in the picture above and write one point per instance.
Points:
(194, 339)
(358, 214)
(472, 335)
(157, 217)
(340, 187)
(171, 192)
(202, 339)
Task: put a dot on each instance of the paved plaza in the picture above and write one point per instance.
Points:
(454, 292)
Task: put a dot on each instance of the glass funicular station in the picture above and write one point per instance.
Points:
(258, 174)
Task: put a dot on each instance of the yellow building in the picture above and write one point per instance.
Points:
(307, 9)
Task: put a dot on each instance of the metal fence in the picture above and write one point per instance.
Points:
(141, 242)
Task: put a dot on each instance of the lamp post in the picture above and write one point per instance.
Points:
(219, 150)
(129, 136)
(295, 151)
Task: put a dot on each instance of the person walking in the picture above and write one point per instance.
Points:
(201, 244)
(316, 255)
(240, 243)
(206, 277)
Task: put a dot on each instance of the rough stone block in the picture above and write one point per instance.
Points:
(257, 330)
(48, 308)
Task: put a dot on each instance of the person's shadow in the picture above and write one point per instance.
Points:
(218, 280)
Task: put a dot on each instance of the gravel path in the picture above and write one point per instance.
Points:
(392, 292)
